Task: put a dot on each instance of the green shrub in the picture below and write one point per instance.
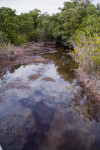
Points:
(20, 39)
(87, 52)
(3, 38)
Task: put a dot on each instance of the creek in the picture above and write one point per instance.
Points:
(44, 107)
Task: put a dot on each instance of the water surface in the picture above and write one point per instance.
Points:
(43, 107)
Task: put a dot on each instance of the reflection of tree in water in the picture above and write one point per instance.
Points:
(16, 67)
(64, 64)
(70, 142)
(2, 78)
(12, 70)
(43, 116)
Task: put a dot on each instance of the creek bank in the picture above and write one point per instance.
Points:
(30, 46)
(24, 55)
(91, 85)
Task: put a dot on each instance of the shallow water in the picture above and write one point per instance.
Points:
(43, 107)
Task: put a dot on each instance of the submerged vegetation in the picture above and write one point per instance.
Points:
(77, 24)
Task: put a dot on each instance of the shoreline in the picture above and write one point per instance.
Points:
(91, 86)
(24, 55)
(20, 50)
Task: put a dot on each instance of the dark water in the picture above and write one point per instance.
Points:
(40, 114)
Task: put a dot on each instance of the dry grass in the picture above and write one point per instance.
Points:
(7, 50)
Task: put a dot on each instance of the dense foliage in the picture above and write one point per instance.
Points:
(75, 16)
(77, 23)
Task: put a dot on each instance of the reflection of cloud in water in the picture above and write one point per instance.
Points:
(48, 115)
(1, 148)
(22, 72)
(39, 87)
(51, 92)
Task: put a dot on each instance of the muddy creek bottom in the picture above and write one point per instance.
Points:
(43, 107)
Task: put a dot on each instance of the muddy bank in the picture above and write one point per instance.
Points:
(91, 85)
(24, 55)
(31, 46)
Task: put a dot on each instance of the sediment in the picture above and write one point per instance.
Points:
(24, 55)
(91, 85)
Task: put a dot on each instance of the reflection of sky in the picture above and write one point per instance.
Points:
(60, 90)
(53, 104)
